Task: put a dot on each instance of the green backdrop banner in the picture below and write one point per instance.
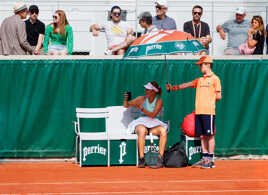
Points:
(39, 97)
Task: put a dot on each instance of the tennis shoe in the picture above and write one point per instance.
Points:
(159, 163)
(212, 164)
(141, 163)
(207, 164)
(199, 163)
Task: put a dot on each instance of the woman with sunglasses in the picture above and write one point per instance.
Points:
(150, 106)
(256, 35)
(60, 35)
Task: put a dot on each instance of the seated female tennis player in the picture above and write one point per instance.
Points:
(149, 105)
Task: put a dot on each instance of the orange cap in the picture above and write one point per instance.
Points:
(204, 59)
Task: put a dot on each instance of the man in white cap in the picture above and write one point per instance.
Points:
(161, 20)
(13, 38)
(237, 31)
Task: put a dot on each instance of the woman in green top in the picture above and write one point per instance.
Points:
(60, 35)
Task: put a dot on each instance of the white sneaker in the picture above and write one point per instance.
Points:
(108, 52)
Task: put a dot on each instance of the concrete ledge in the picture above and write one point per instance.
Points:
(120, 57)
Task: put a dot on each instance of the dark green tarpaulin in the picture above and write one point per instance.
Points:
(38, 100)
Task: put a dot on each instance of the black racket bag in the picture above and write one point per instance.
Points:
(175, 156)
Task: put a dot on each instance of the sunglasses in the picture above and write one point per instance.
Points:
(199, 13)
(55, 17)
(257, 17)
(33, 11)
(116, 13)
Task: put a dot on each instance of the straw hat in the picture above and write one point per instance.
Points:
(19, 6)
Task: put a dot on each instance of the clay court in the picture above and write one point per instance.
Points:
(229, 177)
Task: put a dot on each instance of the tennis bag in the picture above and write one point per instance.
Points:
(175, 156)
(151, 157)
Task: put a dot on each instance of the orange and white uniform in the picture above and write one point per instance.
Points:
(206, 89)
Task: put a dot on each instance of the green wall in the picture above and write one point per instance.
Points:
(38, 100)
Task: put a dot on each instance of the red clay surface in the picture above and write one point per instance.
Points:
(229, 177)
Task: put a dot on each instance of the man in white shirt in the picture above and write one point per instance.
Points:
(118, 33)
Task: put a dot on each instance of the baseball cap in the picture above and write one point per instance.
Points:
(115, 7)
(150, 87)
(240, 10)
(19, 6)
(204, 59)
(161, 2)
(33, 8)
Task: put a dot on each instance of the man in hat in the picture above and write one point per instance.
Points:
(161, 20)
(118, 33)
(13, 39)
(35, 30)
(145, 21)
(237, 31)
(208, 91)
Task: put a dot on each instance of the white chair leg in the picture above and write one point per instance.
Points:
(76, 150)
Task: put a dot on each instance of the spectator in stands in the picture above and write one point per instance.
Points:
(197, 28)
(161, 20)
(267, 39)
(118, 33)
(149, 105)
(60, 35)
(145, 21)
(35, 30)
(13, 39)
(256, 35)
(237, 31)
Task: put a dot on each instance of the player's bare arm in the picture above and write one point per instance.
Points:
(137, 102)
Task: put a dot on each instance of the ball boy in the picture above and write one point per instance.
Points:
(208, 91)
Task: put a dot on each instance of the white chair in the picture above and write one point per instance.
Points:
(118, 121)
(93, 113)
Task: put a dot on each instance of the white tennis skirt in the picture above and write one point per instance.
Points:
(147, 122)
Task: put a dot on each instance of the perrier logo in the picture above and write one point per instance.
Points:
(93, 150)
(123, 152)
(194, 150)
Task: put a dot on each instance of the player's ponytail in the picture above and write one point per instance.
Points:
(157, 86)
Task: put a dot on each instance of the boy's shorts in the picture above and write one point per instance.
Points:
(204, 124)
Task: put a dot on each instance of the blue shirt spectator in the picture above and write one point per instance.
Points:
(237, 30)
(161, 20)
(164, 24)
